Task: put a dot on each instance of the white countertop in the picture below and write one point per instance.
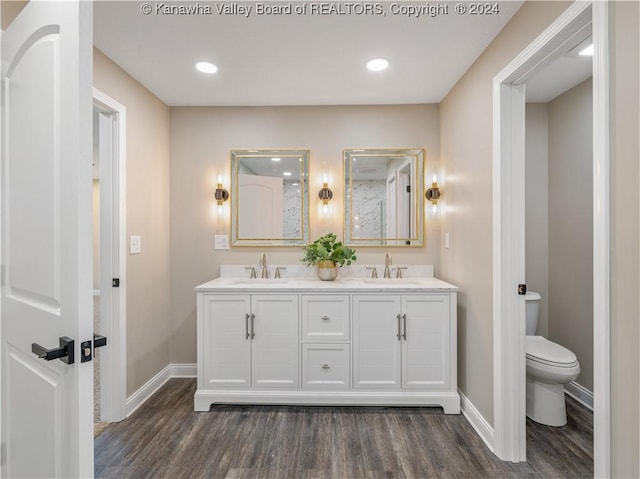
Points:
(234, 284)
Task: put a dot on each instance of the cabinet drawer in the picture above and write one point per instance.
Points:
(325, 318)
(325, 366)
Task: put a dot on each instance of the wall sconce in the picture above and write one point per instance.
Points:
(433, 193)
(221, 195)
(325, 194)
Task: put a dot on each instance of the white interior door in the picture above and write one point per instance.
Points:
(264, 196)
(46, 410)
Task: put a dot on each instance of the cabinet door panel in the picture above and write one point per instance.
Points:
(226, 349)
(376, 347)
(275, 353)
(425, 351)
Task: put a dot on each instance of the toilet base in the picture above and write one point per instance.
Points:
(545, 403)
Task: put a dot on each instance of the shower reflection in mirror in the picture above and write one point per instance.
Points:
(383, 199)
(271, 204)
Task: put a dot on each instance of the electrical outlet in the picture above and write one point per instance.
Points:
(222, 242)
(135, 245)
(446, 241)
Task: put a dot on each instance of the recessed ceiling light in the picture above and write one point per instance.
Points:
(206, 67)
(587, 52)
(287, 173)
(377, 64)
(276, 159)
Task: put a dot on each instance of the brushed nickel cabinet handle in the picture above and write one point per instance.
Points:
(404, 329)
(253, 325)
(399, 332)
(246, 325)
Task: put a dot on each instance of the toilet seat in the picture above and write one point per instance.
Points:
(543, 351)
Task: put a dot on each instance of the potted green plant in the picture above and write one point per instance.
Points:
(327, 253)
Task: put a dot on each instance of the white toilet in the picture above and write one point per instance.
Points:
(549, 367)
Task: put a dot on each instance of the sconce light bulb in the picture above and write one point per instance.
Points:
(434, 207)
(435, 179)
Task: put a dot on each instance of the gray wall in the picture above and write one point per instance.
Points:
(537, 207)
(147, 171)
(201, 138)
(571, 225)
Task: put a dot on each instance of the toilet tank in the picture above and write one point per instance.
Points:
(532, 300)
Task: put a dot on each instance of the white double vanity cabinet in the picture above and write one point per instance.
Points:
(351, 341)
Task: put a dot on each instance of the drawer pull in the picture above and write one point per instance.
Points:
(325, 318)
(326, 366)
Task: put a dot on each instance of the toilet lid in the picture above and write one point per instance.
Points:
(542, 350)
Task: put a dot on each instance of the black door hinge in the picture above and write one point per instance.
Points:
(408, 188)
(115, 282)
(522, 289)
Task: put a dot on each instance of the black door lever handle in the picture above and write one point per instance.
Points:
(65, 352)
(99, 340)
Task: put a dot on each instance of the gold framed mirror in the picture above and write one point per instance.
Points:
(383, 201)
(269, 197)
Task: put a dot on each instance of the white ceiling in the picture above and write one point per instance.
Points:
(294, 59)
(565, 72)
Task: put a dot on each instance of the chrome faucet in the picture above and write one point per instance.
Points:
(387, 263)
(263, 265)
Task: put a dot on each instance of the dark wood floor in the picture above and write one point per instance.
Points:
(166, 439)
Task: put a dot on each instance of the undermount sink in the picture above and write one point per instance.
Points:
(261, 281)
(392, 281)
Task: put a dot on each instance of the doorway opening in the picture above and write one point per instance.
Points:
(109, 258)
(509, 231)
(559, 248)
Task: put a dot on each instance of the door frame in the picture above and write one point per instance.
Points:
(113, 366)
(509, 232)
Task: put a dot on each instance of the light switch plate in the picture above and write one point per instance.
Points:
(222, 242)
(135, 245)
(446, 240)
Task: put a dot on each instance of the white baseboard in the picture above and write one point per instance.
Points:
(580, 394)
(183, 370)
(138, 398)
(477, 420)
